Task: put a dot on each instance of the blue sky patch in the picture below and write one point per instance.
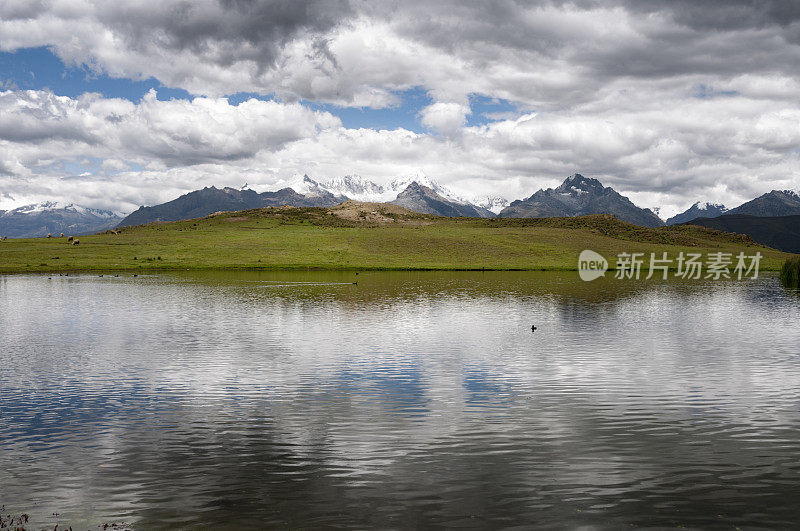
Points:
(40, 69)
(486, 110)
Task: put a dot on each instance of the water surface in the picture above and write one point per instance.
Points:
(241, 400)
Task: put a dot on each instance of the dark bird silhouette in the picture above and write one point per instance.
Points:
(533, 328)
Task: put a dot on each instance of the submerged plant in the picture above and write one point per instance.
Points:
(790, 273)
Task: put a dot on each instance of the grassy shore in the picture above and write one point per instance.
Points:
(364, 236)
(790, 273)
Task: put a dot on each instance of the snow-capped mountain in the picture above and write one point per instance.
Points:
(398, 185)
(698, 210)
(424, 199)
(361, 189)
(416, 192)
(54, 217)
(494, 204)
(58, 205)
(302, 191)
(310, 188)
(356, 187)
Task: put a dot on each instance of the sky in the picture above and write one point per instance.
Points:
(120, 104)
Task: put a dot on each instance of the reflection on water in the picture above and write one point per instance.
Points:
(408, 399)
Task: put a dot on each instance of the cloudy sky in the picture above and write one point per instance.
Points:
(117, 104)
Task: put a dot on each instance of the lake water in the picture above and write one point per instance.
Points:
(252, 400)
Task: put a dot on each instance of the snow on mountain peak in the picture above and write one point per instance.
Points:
(577, 184)
(494, 204)
(50, 206)
(362, 189)
(400, 184)
(705, 205)
(305, 185)
(42, 207)
(355, 187)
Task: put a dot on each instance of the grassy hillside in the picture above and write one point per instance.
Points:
(363, 236)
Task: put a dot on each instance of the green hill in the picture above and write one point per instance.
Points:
(364, 236)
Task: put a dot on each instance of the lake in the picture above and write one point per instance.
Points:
(263, 399)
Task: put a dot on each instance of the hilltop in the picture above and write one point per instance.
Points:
(357, 235)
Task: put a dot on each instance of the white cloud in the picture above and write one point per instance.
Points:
(668, 102)
(664, 152)
(446, 118)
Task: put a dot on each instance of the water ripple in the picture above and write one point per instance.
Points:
(408, 400)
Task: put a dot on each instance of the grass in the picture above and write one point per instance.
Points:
(364, 236)
(790, 273)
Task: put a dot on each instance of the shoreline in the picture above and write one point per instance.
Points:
(279, 269)
(287, 269)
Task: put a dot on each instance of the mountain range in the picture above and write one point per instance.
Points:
(360, 189)
(416, 192)
(41, 219)
(577, 195)
(772, 204)
(211, 199)
(772, 219)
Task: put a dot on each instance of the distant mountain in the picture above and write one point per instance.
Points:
(428, 197)
(778, 232)
(399, 185)
(211, 199)
(493, 204)
(306, 192)
(357, 188)
(426, 200)
(579, 196)
(195, 205)
(315, 192)
(698, 210)
(41, 219)
(774, 203)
